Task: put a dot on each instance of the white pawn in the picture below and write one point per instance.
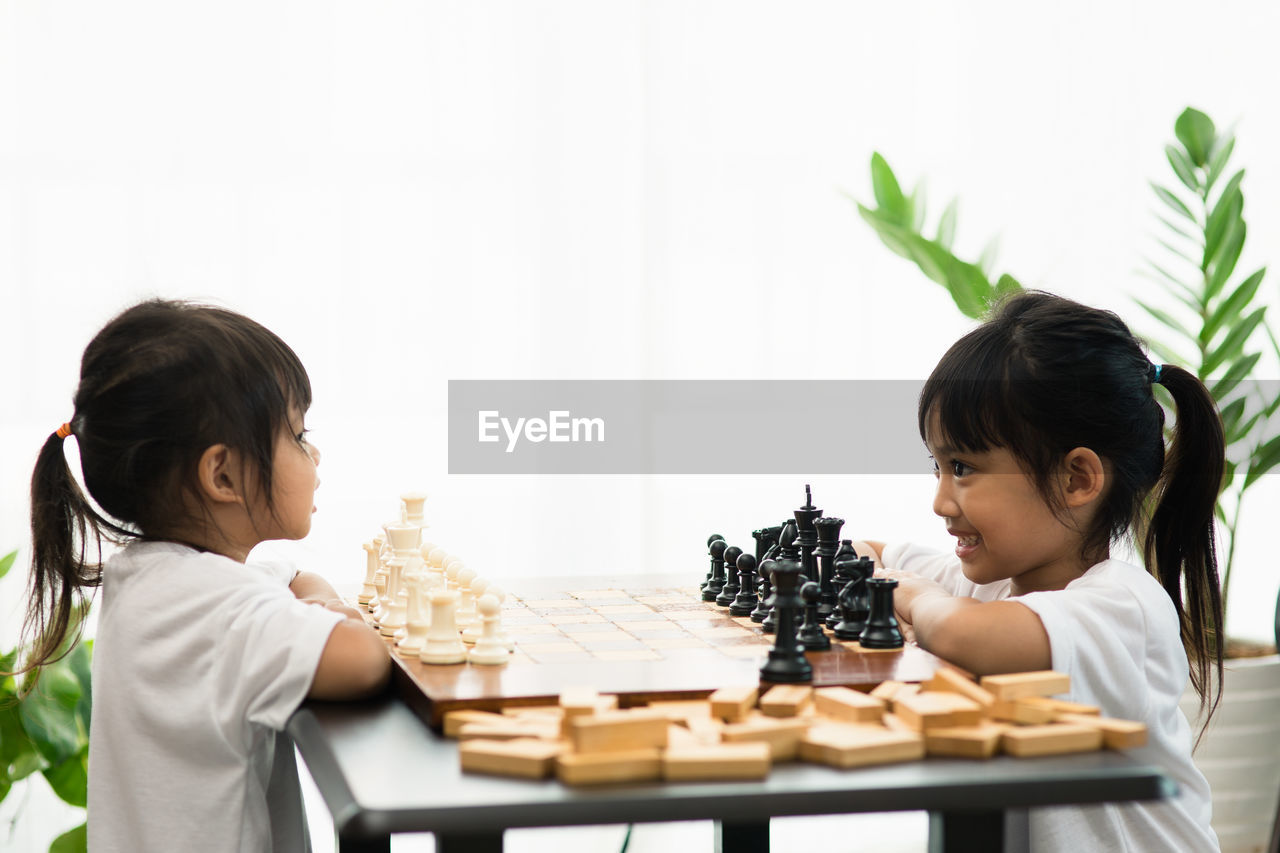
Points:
(443, 645)
(379, 584)
(498, 593)
(416, 626)
(451, 569)
(435, 565)
(489, 648)
(394, 617)
(471, 633)
(467, 602)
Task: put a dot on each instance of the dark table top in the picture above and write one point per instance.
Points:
(381, 771)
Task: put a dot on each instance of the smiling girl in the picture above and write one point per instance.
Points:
(1048, 445)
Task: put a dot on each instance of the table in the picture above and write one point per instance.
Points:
(381, 771)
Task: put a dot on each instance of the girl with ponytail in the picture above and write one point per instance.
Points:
(1049, 448)
(189, 423)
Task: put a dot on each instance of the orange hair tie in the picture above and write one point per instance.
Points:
(63, 431)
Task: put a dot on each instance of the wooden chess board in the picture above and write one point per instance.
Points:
(634, 637)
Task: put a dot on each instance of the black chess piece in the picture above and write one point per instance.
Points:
(713, 537)
(854, 603)
(828, 545)
(807, 534)
(786, 662)
(842, 561)
(811, 635)
(764, 590)
(716, 582)
(730, 589)
(882, 626)
(788, 552)
(745, 601)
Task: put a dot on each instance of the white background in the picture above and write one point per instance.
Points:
(412, 192)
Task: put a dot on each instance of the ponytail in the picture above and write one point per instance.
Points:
(1179, 543)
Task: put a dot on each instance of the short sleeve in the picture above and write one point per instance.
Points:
(283, 571)
(272, 647)
(941, 568)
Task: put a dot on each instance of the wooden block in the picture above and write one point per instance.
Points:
(719, 761)
(1052, 739)
(535, 712)
(781, 734)
(638, 728)
(786, 700)
(580, 710)
(508, 729)
(950, 681)
(933, 710)
(980, 741)
(679, 736)
(524, 757)
(905, 691)
(895, 723)
(885, 690)
(706, 731)
(454, 720)
(731, 704)
(1060, 706)
(599, 768)
(857, 744)
(1116, 734)
(682, 711)
(1015, 685)
(579, 700)
(1021, 711)
(847, 705)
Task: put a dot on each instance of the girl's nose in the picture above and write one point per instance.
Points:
(315, 453)
(944, 503)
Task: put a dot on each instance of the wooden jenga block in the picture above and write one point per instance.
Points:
(705, 730)
(781, 734)
(885, 690)
(611, 731)
(508, 729)
(731, 704)
(1116, 734)
(1015, 685)
(950, 681)
(679, 736)
(933, 710)
(524, 757)
(683, 710)
(894, 723)
(980, 741)
(858, 744)
(718, 761)
(906, 691)
(455, 720)
(1021, 711)
(847, 705)
(535, 712)
(602, 704)
(1060, 706)
(598, 768)
(579, 700)
(1053, 739)
(786, 700)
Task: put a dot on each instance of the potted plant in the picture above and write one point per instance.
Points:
(44, 727)
(1214, 323)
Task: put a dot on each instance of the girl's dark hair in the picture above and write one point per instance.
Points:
(1044, 375)
(160, 384)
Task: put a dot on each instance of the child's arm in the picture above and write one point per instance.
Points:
(984, 637)
(313, 589)
(870, 548)
(354, 664)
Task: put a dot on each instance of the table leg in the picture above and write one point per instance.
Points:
(742, 837)
(460, 842)
(364, 845)
(990, 830)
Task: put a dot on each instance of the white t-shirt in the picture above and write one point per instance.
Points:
(198, 663)
(1114, 630)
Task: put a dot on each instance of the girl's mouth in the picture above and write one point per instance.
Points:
(967, 545)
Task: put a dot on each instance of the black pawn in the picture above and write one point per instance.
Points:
(730, 590)
(712, 538)
(764, 590)
(882, 626)
(716, 582)
(746, 599)
(786, 662)
(811, 634)
(769, 622)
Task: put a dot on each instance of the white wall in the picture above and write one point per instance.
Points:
(427, 191)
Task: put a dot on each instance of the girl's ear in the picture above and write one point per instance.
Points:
(1085, 477)
(217, 472)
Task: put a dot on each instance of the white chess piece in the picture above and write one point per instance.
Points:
(393, 619)
(451, 569)
(471, 633)
(367, 591)
(443, 645)
(498, 593)
(413, 502)
(466, 614)
(489, 648)
(416, 623)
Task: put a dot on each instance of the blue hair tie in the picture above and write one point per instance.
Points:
(1156, 369)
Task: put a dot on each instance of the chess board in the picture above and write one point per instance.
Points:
(642, 638)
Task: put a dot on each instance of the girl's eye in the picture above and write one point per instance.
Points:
(933, 463)
(302, 436)
(959, 469)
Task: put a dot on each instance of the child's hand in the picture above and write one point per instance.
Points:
(911, 589)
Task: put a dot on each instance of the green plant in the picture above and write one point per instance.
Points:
(44, 727)
(1217, 327)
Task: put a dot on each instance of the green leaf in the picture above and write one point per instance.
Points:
(1233, 345)
(1224, 214)
(69, 778)
(888, 193)
(1194, 237)
(1007, 284)
(48, 714)
(1173, 279)
(6, 562)
(1166, 353)
(947, 226)
(988, 257)
(1175, 204)
(1174, 250)
(1230, 309)
(891, 234)
(1182, 293)
(916, 207)
(1168, 320)
(14, 742)
(1196, 132)
(72, 841)
(1222, 388)
(969, 288)
(1239, 432)
(1264, 459)
(1218, 161)
(1224, 263)
(1231, 413)
(1182, 168)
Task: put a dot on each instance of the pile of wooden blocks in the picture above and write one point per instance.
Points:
(738, 733)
